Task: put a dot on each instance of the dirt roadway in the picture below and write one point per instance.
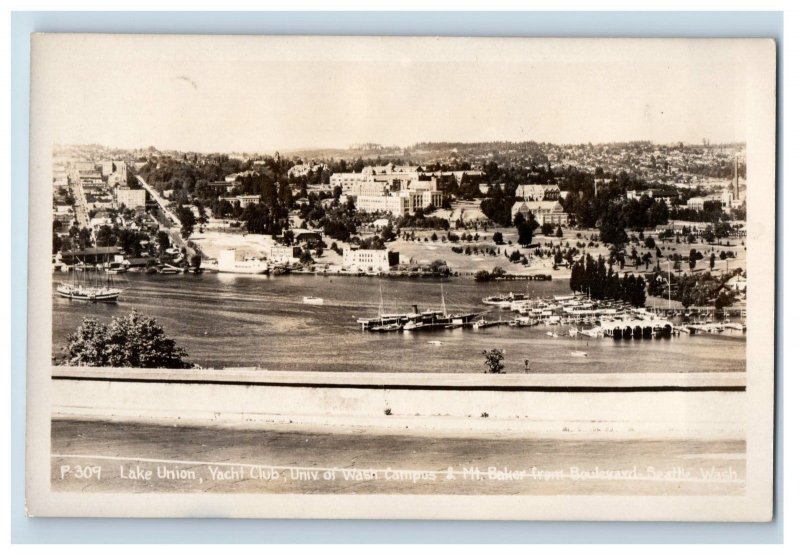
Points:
(117, 457)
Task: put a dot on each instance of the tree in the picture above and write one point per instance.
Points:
(497, 238)
(188, 220)
(306, 258)
(84, 237)
(547, 229)
(57, 243)
(162, 238)
(494, 361)
(132, 341)
(723, 300)
(525, 231)
(559, 231)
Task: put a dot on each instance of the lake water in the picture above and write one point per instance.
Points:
(226, 320)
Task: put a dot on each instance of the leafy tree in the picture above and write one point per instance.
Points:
(188, 221)
(128, 341)
(547, 229)
(162, 238)
(525, 231)
(723, 300)
(57, 243)
(494, 361)
(559, 231)
(306, 258)
(84, 237)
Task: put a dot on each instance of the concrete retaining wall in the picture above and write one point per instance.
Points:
(633, 405)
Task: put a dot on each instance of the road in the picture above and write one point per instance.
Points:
(81, 212)
(162, 203)
(174, 231)
(95, 456)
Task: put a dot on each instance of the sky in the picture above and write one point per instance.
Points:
(229, 95)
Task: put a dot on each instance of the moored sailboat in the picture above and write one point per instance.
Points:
(81, 289)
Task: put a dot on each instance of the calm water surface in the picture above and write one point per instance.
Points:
(226, 320)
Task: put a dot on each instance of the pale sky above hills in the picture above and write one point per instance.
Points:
(229, 94)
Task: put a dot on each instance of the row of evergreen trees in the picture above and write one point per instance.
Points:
(600, 281)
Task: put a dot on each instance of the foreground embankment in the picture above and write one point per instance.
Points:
(618, 406)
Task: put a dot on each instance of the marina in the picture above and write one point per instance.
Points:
(237, 320)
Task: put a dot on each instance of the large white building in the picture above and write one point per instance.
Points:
(393, 204)
(131, 198)
(365, 260)
(346, 180)
(243, 200)
(281, 254)
(543, 211)
(302, 170)
(725, 199)
(537, 192)
(399, 203)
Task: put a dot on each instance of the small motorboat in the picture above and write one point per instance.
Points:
(435, 343)
(579, 354)
(313, 300)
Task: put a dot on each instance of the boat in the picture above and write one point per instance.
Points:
(80, 289)
(573, 332)
(504, 301)
(416, 320)
(313, 300)
(553, 334)
(435, 343)
(438, 319)
(594, 333)
(391, 326)
(229, 263)
(168, 269)
(116, 268)
(578, 354)
(383, 322)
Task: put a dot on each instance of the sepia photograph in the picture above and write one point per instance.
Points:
(401, 277)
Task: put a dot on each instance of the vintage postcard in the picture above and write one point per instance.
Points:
(401, 277)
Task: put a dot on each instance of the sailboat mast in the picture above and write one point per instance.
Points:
(444, 307)
(669, 286)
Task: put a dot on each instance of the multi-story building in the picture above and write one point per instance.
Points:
(365, 260)
(725, 199)
(652, 193)
(302, 170)
(537, 192)
(393, 204)
(131, 198)
(281, 254)
(358, 188)
(346, 180)
(399, 203)
(243, 200)
(543, 211)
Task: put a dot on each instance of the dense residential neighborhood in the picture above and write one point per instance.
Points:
(524, 208)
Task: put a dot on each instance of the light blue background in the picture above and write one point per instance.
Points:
(607, 24)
